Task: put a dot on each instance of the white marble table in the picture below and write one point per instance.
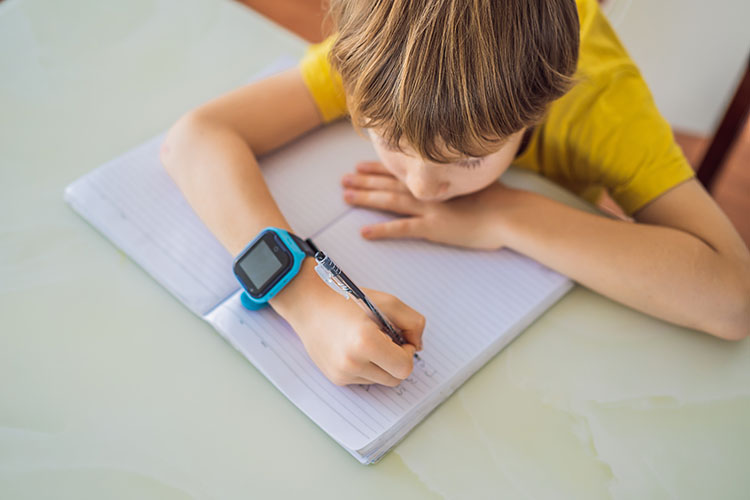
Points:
(109, 388)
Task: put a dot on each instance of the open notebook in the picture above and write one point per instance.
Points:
(475, 302)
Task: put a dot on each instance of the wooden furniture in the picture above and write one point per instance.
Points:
(730, 127)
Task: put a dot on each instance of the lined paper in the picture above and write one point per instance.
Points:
(305, 177)
(134, 202)
(475, 302)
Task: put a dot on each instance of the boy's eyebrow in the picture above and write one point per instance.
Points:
(462, 161)
(470, 161)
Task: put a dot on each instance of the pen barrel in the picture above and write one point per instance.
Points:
(337, 279)
(327, 263)
(382, 321)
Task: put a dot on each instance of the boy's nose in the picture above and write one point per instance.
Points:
(426, 190)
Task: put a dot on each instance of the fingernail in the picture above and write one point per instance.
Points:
(348, 195)
(346, 180)
(366, 231)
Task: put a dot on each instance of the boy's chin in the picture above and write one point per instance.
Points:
(466, 192)
(443, 197)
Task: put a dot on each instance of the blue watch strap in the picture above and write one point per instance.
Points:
(298, 248)
(249, 303)
(307, 246)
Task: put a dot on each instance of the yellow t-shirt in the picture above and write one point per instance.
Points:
(605, 133)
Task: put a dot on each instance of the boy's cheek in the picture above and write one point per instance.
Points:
(463, 187)
(392, 162)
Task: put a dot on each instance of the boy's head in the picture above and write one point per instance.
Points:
(442, 83)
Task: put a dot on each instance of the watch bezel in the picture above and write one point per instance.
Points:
(280, 250)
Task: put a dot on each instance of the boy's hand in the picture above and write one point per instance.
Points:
(471, 221)
(348, 346)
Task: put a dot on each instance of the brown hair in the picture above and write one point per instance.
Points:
(453, 77)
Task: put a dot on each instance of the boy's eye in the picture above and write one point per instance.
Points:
(470, 162)
(466, 163)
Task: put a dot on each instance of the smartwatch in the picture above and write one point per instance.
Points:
(268, 263)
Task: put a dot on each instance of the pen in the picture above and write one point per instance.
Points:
(341, 283)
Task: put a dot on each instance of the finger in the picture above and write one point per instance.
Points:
(377, 375)
(372, 167)
(389, 201)
(396, 360)
(380, 182)
(408, 320)
(361, 381)
(348, 378)
(407, 227)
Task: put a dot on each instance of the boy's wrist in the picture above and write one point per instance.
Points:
(510, 206)
(300, 297)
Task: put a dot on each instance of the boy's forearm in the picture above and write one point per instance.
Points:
(661, 271)
(219, 176)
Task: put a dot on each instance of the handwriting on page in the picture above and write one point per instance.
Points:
(371, 410)
(421, 369)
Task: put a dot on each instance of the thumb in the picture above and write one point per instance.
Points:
(410, 322)
(410, 349)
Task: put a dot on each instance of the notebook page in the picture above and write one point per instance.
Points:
(305, 177)
(134, 202)
(474, 303)
(468, 297)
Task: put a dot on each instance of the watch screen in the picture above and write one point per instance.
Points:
(260, 264)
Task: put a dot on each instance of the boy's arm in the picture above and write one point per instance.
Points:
(210, 154)
(682, 261)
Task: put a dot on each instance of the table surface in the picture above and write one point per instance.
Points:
(110, 388)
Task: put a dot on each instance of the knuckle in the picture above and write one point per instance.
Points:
(421, 322)
(348, 364)
(389, 301)
(358, 343)
(404, 370)
(337, 377)
(392, 382)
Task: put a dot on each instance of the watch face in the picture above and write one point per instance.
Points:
(263, 264)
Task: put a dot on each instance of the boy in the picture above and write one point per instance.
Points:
(452, 92)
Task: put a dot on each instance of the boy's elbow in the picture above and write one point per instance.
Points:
(174, 137)
(741, 328)
(731, 332)
(736, 324)
(177, 142)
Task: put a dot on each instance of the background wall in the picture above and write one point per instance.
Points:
(691, 53)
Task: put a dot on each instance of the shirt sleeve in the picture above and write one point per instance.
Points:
(607, 132)
(623, 143)
(323, 82)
